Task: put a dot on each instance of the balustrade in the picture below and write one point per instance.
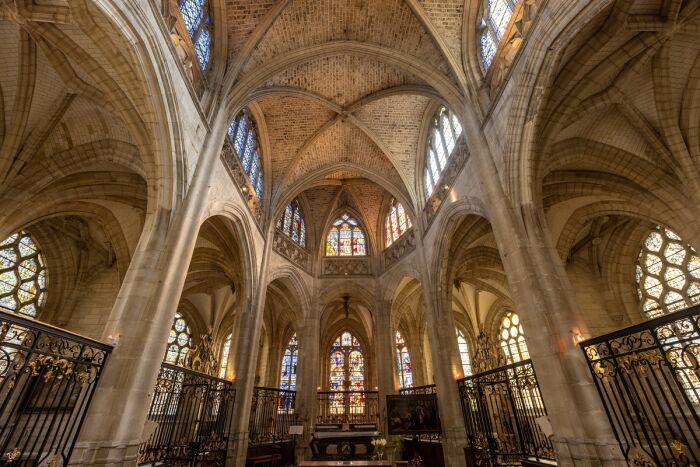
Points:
(271, 414)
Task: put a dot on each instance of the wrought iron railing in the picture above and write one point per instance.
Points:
(47, 380)
(189, 418)
(648, 379)
(426, 389)
(271, 415)
(501, 410)
(356, 407)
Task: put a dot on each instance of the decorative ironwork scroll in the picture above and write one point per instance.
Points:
(501, 410)
(47, 380)
(271, 415)
(355, 407)
(648, 379)
(191, 417)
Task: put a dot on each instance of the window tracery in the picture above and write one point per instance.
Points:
(667, 273)
(346, 238)
(347, 373)
(243, 134)
(288, 373)
(492, 25)
(397, 222)
(464, 352)
(403, 362)
(223, 361)
(292, 223)
(513, 338)
(179, 341)
(22, 275)
(443, 135)
(197, 18)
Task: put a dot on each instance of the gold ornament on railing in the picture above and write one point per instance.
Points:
(202, 357)
(488, 355)
(13, 455)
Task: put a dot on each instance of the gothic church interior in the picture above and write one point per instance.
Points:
(408, 232)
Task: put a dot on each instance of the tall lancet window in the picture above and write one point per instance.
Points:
(347, 373)
(513, 338)
(243, 134)
(493, 21)
(179, 341)
(403, 362)
(443, 136)
(22, 275)
(197, 17)
(292, 223)
(288, 373)
(225, 352)
(667, 274)
(397, 222)
(464, 352)
(346, 238)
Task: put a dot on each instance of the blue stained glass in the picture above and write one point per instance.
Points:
(259, 187)
(302, 234)
(191, 11)
(248, 152)
(239, 143)
(288, 375)
(202, 47)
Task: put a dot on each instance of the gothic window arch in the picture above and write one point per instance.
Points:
(179, 341)
(243, 134)
(197, 17)
(292, 223)
(494, 18)
(346, 373)
(288, 373)
(512, 338)
(225, 352)
(22, 275)
(667, 273)
(346, 238)
(403, 362)
(464, 352)
(397, 222)
(443, 136)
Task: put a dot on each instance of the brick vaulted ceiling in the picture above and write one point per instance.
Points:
(344, 120)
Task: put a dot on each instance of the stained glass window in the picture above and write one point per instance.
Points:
(347, 373)
(179, 341)
(513, 339)
(197, 18)
(223, 361)
(667, 274)
(346, 238)
(445, 131)
(397, 222)
(464, 352)
(403, 362)
(493, 22)
(244, 136)
(288, 374)
(668, 280)
(22, 275)
(292, 223)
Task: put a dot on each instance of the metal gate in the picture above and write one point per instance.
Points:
(190, 418)
(501, 410)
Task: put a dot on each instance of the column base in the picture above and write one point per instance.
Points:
(105, 454)
(587, 452)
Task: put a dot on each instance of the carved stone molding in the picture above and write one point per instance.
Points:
(182, 44)
(346, 266)
(240, 179)
(288, 248)
(454, 166)
(401, 247)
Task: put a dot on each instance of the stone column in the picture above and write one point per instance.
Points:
(540, 289)
(308, 378)
(141, 320)
(246, 358)
(445, 358)
(386, 355)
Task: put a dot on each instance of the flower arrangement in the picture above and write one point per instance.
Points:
(379, 445)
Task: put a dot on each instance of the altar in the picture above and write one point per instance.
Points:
(332, 443)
